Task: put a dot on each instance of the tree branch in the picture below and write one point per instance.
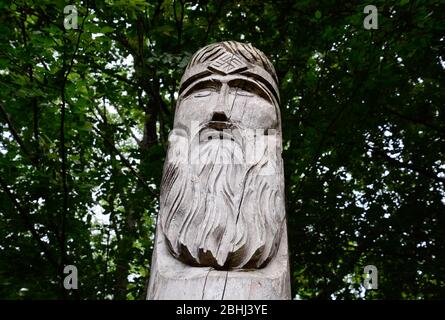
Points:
(179, 22)
(16, 135)
(127, 163)
(63, 152)
(110, 72)
(418, 121)
(35, 110)
(212, 20)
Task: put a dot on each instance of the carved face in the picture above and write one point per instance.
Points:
(237, 99)
(222, 199)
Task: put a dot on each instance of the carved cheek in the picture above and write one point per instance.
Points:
(197, 109)
(257, 113)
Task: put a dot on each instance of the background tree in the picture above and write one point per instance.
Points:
(85, 115)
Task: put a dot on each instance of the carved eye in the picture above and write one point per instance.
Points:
(203, 93)
(241, 92)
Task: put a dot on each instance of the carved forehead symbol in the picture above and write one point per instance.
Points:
(228, 63)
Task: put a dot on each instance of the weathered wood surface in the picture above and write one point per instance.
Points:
(174, 280)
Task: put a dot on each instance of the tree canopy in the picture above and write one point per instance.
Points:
(85, 114)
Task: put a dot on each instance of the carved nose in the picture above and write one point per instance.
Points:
(219, 116)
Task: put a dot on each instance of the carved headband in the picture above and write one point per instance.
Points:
(231, 63)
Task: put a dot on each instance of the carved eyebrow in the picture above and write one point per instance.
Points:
(242, 83)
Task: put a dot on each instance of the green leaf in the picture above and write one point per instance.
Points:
(106, 29)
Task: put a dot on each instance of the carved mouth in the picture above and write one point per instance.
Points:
(220, 125)
(215, 134)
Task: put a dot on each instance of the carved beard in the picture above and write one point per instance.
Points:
(219, 211)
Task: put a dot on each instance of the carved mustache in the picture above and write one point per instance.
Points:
(220, 128)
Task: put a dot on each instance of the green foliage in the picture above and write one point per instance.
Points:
(85, 114)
